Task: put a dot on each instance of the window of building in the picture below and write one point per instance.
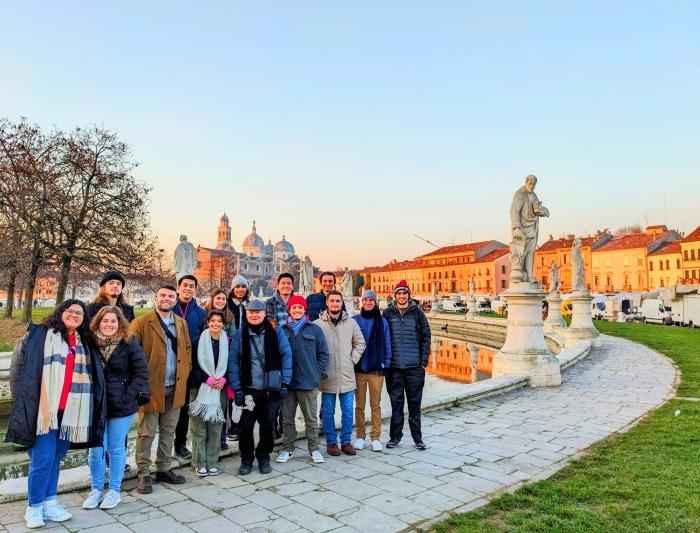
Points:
(488, 284)
(661, 265)
(626, 261)
(565, 259)
(678, 264)
(668, 264)
(640, 280)
(488, 272)
(608, 261)
(685, 255)
(503, 284)
(596, 280)
(692, 255)
(651, 266)
(662, 282)
(503, 269)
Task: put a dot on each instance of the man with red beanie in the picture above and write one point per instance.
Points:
(410, 351)
(310, 357)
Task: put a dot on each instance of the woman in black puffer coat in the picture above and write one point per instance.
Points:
(126, 382)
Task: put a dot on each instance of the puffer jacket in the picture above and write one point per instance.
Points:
(93, 308)
(345, 346)
(126, 374)
(309, 356)
(410, 335)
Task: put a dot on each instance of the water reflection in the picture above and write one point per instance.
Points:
(457, 360)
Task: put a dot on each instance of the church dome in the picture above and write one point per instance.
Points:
(268, 249)
(253, 240)
(284, 246)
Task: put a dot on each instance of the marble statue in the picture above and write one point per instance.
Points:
(472, 288)
(185, 258)
(525, 213)
(346, 285)
(579, 284)
(555, 285)
(306, 280)
(260, 293)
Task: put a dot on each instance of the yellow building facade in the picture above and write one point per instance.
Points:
(665, 266)
(690, 251)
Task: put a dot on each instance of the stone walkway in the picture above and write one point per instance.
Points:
(475, 450)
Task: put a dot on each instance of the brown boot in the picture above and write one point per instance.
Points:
(144, 485)
(332, 449)
(348, 449)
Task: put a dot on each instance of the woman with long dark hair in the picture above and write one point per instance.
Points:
(126, 382)
(219, 301)
(58, 395)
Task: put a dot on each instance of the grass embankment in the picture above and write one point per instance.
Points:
(642, 480)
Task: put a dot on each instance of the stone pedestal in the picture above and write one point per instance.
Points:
(581, 321)
(554, 318)
(472, 308)
(525, 351)
(350, 306)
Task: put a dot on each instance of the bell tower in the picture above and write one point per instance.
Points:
(223, 239)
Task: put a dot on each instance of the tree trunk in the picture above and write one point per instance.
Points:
(11, 295)
(66, 262)
(36, 263)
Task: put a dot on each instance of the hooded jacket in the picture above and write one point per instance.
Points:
(345, 347)
(309, 356)
(410, 335)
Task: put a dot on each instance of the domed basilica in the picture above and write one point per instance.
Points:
(260, 263)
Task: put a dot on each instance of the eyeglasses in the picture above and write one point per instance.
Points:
(73, 313)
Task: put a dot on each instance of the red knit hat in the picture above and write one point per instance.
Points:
(401, 286)
(297, 299)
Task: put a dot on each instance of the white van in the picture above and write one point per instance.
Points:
(654, 310)
(686, 310)
(455, 307)
(598, 307)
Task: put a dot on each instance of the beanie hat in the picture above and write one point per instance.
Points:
(401, 286)
(240, 280)
(112, 275)
(297, 299)
(369, 293)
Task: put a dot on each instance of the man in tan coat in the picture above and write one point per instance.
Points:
(345, 346)
(166, 342)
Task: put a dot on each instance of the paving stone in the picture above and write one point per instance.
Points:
(316, 475)
(83, 519)
(292, 489)
(326, 502)
(353, 489)
(435, 500)
(375, 466)
(249, 514)
(107, 528)
(161, 496)
(187, 511)
(368, 519)
(423, 481)
(309, 519)
(167, 523)
(213, 497)
(19, 527)
(394, 504)
(278, 524)
(141, 515)
(226, 480)
(268, 500)
(217, 524)
(394, 485)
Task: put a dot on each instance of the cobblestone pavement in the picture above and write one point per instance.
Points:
(475, 450)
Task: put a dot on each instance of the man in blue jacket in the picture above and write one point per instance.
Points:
(410, 351)
(259, 371)
(317, 300)
(370, 369)
(186, 307)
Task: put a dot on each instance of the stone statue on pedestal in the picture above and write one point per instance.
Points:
(472, 288)
(346, 285)
(555, 285)
(579, 276)
(525, 213)
(306, 280)
(184, 258)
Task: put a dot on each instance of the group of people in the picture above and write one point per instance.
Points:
(210, 373)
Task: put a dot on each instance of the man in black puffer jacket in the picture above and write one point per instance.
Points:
(410, 350)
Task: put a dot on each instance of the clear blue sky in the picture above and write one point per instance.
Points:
(350, 126)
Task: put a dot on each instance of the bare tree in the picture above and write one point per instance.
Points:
(626, 230)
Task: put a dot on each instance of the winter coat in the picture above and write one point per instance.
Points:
(196, 319)
(373, 362)
(410, 335)
(93, 308)
(26, 370)
(345, 347)
(126, 374)
(233, 371)
(316, 303)
(149, 334)
(276, 309)
(309, 356)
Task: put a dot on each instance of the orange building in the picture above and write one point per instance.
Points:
(621, 264)
(558, 251)
(690, 250)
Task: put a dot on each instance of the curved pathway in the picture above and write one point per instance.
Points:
(476, 450)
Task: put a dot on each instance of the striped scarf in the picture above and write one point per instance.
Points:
(77, 416)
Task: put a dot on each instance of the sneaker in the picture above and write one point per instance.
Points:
(359, 444)
(317, 457)
(333, 449)
(55, 512)
(201, 472)
(393, 443)
(348, 449)
(284, 456)
(111, 500)
(377, 446)
(93, 499)
(232, 437)
(213, 471)
(34, 516)
(421, 445)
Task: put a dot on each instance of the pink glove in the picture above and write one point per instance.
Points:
(230, 394)
(222, 381)
(211, 381)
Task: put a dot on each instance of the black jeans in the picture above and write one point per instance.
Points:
(408, 383)
(265, 414)
(183, 423)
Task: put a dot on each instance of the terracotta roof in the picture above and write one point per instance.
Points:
(629, 241)
(492, 256)
(693, 236)
(458, 248)
(672, 247)
(400, 265)
(558, 244)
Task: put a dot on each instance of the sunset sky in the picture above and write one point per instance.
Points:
(352, 126)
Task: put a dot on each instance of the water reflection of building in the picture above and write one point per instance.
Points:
(451, 359)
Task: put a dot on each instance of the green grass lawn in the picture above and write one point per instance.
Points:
(647, 479)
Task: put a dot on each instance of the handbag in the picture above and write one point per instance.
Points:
(272, 380)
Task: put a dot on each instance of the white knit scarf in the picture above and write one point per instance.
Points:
(207, 405)
(75, 426)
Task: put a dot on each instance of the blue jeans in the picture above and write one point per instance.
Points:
(44, 466)
(116, 430)
(347, 401)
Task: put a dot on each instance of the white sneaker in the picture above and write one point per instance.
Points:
(213, 471)
(111, 500)
(317, 457)
(377, 446)
(93, 499)
(55, 512)
(359, 444)
(284, 456)
(34, 516)
(201, 471)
